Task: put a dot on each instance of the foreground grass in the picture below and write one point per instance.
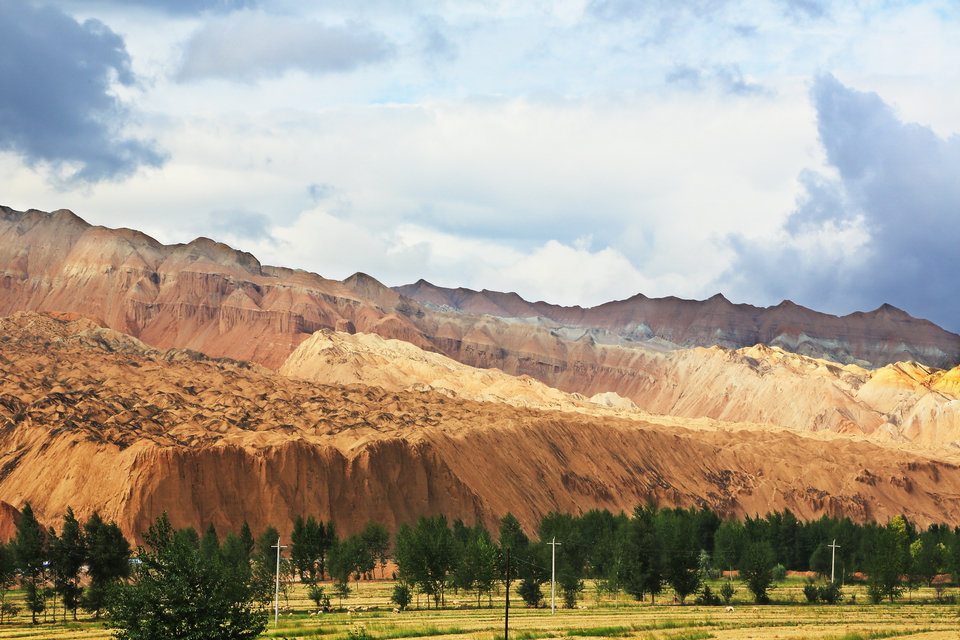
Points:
(373, 618)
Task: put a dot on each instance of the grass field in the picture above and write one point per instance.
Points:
(788, 618)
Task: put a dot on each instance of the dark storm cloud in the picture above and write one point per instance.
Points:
(248, 46)
(55, 101)
(901, 182)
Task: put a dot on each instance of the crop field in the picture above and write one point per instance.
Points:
(372, 618)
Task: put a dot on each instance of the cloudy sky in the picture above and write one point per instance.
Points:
(575, 151)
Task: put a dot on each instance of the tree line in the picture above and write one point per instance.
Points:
(92, 566)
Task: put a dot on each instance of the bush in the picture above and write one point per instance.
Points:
(727, 591)
(830, 593)
(401, 595)
(708, 597)
(319, 597)
(529, 590)
(811, 592)
(779, 573)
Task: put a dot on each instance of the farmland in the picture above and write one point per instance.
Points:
(372, 618)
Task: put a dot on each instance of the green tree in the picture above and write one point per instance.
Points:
(8, 577)
(683, 553)
(728, 545)
(30, 554)
(68, 555)
(210, 543)
(643, 554)
(887, 563)
(401, 595)
(425, 555)
(376, 540)
(757, 569)
(529, 590)
(108, 560)
(178, 591)
(264, 564)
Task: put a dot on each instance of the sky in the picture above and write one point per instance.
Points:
(575, 151)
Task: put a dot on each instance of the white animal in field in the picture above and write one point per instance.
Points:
(729, 609)
(395, 610)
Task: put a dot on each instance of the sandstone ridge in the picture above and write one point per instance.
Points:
(876, 338)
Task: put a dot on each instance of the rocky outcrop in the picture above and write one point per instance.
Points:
(872, 339)
(96, 420)
(202, 295)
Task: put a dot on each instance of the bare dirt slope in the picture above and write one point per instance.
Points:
(96, 419)
(904, 402)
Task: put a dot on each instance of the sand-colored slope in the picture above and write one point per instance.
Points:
(338, 358)
(902, 402)
(96, 420)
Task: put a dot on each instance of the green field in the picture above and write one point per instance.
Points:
(789, 617)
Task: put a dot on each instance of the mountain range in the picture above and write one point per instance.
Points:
(140, 377)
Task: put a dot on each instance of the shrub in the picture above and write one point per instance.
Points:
(727, 591)
(811, 592)
(779, 573)
(529, 590)
(401, 595)
(830, 593)
(708, 597)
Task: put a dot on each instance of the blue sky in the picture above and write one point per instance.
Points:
(572, 151)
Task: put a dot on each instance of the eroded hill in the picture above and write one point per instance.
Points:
(98, 420)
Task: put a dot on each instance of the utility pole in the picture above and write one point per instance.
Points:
(506, 608)
(553, 571)
(276, 601)
(833, 557)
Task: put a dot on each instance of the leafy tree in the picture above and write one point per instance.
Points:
(757, 569)
(264, 565)
(401, 595)
(306, 546)
(179, 591)
(643, 554)
(727, 591)
(425, 555)
(571, 562)
(530, 591)
(108, 560)
(683, 555)
(888, 562)
(929, 556)
(477, 566)
(68, 555)
(210, 543)
(28, 546)
(8, 576)
(246, 537)
(728, 544)
(376, 540)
